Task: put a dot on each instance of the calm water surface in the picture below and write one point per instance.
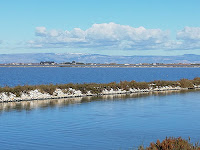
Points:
(19, 76)
(109, 122)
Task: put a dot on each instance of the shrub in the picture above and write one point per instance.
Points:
(47, 88)
(112, 85)
(124, 85)
(142, 85)
(161, 83)
(96, 88)
(185, 83)
(196, 81)
(172, 144)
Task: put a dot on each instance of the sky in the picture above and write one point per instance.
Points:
(110, 27)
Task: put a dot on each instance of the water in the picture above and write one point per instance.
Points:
(19, 76)
(109, 122)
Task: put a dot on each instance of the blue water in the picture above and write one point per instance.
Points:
(118, 122)
(20, 76)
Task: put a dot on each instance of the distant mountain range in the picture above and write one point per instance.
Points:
(95, 58)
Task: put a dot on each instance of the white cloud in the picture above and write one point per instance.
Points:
(189, 33)
(54, 33)
(189, 38)
(40, 31)
(115, 36)
(106, 35)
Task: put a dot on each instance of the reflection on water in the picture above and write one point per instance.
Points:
(42, 104)
(107, 122)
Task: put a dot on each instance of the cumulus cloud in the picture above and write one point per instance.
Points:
(116, 36)
(106, 35)
(40, 31)
(189, 38)
(189, 33)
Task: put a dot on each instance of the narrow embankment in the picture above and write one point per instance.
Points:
(41, 92)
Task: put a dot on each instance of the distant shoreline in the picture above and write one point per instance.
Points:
(107, 66)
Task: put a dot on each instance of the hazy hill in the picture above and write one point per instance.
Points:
(96, 58)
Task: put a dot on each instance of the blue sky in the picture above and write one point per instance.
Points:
(114, 27)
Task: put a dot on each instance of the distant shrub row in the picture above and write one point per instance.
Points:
(172, 144)
(96, 88)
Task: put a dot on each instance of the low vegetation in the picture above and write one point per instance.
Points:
(96, 88)
(172, 144)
